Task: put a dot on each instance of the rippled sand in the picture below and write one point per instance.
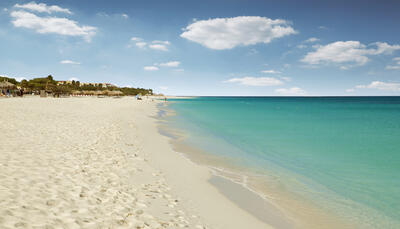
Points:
(100, 163)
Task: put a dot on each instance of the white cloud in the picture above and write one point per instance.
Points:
(19, 79)
(158, 47)
(170, 64)
(290, 91)
(161, 42)
(255, 81)
(227, 33)
(380, 86)
(43, 25)
(311, 40)
(163, 87)
(393, 67)
(42, 8)
(322, 27)
(141, 44)
(301, 46)
(5, 9)
(350, 90)
(156, 44)
(384, 48)
(69, 62)
(270, 71)
(136, 39)
(73, 79)
(150, 68)
(125, 16)
(179, 70)
(396, 66)
(347, 53)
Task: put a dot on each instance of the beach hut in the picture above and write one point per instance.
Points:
(6, 87)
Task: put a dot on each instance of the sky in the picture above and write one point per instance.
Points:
(214, 48)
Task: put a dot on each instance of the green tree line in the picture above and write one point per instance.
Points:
(50, 85)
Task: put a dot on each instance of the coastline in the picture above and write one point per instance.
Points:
(289, 210)
(307, 202)
(90, 163)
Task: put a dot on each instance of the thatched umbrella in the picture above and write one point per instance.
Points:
(76, 92)
(6, 85)
(99, 93)
(88, 92)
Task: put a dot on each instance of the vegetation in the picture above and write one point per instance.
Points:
(65, 88)
(11, 80)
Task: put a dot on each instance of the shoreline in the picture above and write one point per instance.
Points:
(94, 163)
(293, 211)
(78, 160)
(203, 197)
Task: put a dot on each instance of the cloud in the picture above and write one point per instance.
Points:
(141, 44)
(379, 85)
(125, 16)
(301, 46)
(150, 68)
(393, 67)
(73, 79)
(290, 91)
(69, 62)
(44, 25)
(350, 90)
(179, 70)
(228, 33)
(158, 47)
(156, 44)
(311, 40)
(255, 81)
(347, 53)
(322, 27)
(170, 64)
(136, 39)
(396, 66)
(271, 72)
(19, 79)
(163, 87)
(161, 42)
(42, 8)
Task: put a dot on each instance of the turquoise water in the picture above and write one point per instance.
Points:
(349, 146)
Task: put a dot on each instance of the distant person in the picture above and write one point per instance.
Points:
(165, 99)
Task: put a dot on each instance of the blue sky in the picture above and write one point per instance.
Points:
(208, 47)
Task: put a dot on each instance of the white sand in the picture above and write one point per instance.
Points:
(101, 163)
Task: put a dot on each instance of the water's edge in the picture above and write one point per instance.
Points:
(276, 208)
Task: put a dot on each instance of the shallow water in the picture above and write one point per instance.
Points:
(343, 153)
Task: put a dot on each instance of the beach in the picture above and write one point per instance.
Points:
(102, 163)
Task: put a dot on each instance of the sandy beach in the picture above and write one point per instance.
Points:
(102, 163)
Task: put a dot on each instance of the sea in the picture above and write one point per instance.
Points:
(340, 155)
